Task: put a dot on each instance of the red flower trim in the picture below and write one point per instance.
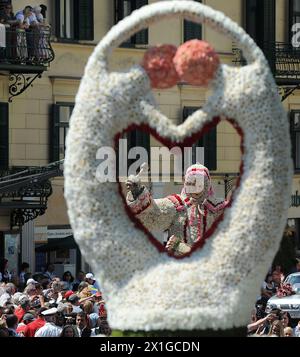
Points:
(168, 143)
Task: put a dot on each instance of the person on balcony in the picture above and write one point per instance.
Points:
(7, 16)
(7, 24)
(23, 17)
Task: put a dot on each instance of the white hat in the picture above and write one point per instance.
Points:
(31, 281)
(51, 311)
(89, 276)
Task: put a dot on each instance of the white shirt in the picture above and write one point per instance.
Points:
(32, 18)
(21, 18)
(48, 330)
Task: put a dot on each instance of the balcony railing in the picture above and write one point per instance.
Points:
(284, 60)
(26, 48)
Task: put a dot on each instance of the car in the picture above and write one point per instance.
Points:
(290, 304)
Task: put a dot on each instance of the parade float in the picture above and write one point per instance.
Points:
(211, 290)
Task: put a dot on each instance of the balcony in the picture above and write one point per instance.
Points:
(24, 55)
(24, 191)
(284, 61)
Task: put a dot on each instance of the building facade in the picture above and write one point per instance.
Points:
(35, 123)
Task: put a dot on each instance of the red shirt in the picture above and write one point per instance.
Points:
(33, 326)
(21, 328)
(20, 312)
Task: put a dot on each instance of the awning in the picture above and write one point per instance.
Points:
(58, 243)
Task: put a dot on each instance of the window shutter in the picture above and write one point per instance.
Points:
(54, 134)
(293, 136)
(138, 138)
(119, 11)
(208, 141)
(210, 149)
(250, 18)
(260, 25)
(85, 19)
(57, 19)
(141, 38)
(192, 30)
(4, 132)
(269, 20)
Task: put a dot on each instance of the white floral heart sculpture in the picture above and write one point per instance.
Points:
(216, 286)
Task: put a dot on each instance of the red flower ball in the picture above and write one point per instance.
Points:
(196, 62)
(158, 63)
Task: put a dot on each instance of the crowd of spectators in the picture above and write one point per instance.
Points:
(275, 323)
(45, 305)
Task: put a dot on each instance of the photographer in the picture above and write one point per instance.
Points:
(263, 325)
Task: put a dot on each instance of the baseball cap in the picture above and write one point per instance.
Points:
(31, 281)
(89, 276)
(68, 294)
(28, 317)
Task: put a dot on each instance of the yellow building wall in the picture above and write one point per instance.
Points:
(29, 112)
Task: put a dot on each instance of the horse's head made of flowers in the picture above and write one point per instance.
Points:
(215, 287)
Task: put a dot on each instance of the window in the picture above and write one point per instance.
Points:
(124, 8)
(295, 137)
(294, 15)
(192, 30)
(61, 114)
(208, 141)
(260, 17)
(74, 19)
(3, 136)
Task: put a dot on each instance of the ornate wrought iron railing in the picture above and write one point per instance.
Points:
(284, 60)
(24, 47)
(25, 191)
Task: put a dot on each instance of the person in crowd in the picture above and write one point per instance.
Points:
(33, 326)
(92, 281)
(276, 329)
(102, 328)
(27, 319)
(97, 302)
(68, 280)
(9, 290)
(267, 289)
(74, 300)
(296, 267)
(12, 324)
(50, 329)
(24, 306)
(276, 279)
(286, 319)
(82, 325)
(31, 281)
(79, 279)
(262, 325)
(69, 331)
(288, 332)
(50, 271)
(82, 286)
(4, 332)
(278, 269)
(22, 275)
(5, 275)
